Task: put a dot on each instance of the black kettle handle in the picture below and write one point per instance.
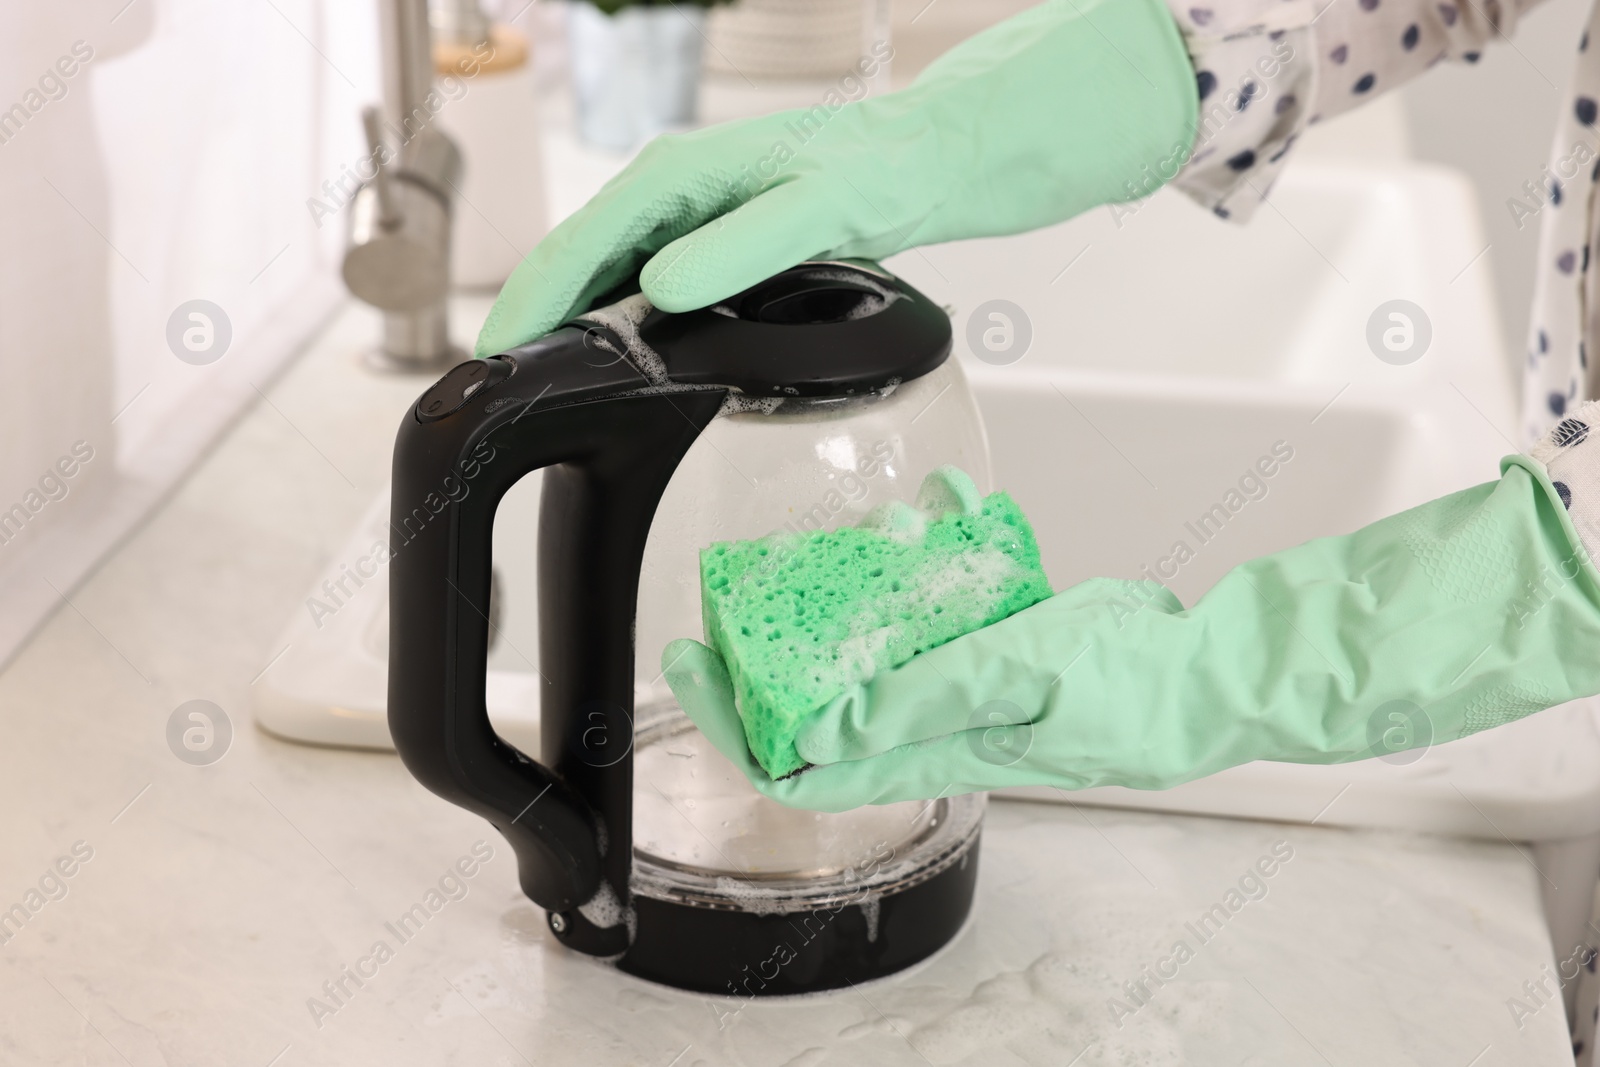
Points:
(607, 458)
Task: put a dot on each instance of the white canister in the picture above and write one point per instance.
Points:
(786, 39)
(636, 73)
(491, 110)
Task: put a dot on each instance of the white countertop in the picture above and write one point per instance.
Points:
(220, 898)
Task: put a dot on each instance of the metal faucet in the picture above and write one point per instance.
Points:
(398, 254)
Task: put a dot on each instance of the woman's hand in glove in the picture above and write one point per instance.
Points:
(1071, 104)
(1465, 613)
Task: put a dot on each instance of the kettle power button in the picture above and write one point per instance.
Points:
(460, 384)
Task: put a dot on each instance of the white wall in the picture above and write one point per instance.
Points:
(152, 153)
(1495, 121)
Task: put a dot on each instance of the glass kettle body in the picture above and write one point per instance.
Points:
(800, 404)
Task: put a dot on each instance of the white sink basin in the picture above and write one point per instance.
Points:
(1169, 355)
(1178, 350)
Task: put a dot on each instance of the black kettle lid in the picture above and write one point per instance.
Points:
(820, 329)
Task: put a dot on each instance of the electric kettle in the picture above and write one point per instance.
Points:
(799, 404)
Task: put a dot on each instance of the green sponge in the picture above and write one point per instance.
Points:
(799, 618)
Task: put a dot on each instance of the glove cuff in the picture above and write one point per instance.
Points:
(1169, 124)
(1570, 454)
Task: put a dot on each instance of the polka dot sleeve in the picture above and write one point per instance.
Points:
(1268, 68)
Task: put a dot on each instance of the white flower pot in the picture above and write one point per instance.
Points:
(636, 73)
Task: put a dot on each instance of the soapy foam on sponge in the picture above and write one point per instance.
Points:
(799, 618)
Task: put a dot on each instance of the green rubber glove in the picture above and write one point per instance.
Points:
(1035, 120)
(1465, 613)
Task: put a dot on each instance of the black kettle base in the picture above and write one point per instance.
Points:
(741, 955)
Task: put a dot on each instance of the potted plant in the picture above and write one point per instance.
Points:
(635, 67)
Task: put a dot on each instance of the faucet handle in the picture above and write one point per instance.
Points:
(388, 210)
